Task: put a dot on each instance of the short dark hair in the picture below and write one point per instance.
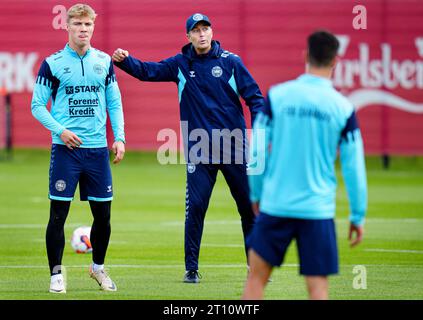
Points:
(322, 48)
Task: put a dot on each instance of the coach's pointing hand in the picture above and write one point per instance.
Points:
(70, 139)
(119, 55)
(119, 151)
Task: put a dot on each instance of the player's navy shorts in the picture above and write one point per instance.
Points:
(316, 242)
(88, 166)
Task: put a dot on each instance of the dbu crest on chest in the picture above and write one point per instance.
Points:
(98, 68)
(217, 71)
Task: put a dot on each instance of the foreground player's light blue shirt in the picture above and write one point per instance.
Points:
(82, 89)
(305, 121)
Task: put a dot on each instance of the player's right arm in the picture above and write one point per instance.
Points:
(259, 153)
(162, 71)
(43, 89)
(354, 173)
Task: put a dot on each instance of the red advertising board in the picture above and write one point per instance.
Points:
(380, 67)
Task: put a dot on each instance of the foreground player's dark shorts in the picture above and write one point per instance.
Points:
(88, 166)
(316, 242)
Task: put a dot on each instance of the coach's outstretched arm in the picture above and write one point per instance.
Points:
(163, 71)
(354, 173)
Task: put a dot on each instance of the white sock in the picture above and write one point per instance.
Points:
(97, 267)
(56, 277)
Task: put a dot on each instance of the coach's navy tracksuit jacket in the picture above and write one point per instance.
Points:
(209, 87)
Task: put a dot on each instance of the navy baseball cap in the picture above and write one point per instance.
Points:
(196, 18)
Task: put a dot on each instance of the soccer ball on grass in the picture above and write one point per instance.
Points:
(80, 240)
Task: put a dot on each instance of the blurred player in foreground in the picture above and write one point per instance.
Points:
(81, 82)
(305, 122)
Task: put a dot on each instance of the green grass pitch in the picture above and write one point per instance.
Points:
(145, 256)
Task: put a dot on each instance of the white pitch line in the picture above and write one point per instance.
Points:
(210, 222)
(22, 226)
(181, 266)
(34, 225)
(135, 266)
(181, 223)
(110, 242)
(395, 251)
(37, 199)
(342, 220)
(223, 245)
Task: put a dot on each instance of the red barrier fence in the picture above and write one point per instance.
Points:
(380, 70)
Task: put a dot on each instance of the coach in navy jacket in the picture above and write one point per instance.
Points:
(210, 81)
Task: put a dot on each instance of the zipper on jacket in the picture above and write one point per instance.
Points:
(82, 63)
(82, 66)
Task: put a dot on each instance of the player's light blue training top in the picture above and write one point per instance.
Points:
(81, 89)
(305, 121)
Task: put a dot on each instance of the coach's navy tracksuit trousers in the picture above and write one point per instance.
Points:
(200, 181)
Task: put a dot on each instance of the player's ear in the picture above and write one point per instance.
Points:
(334, 62)
(189, 37)
(305, 56)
